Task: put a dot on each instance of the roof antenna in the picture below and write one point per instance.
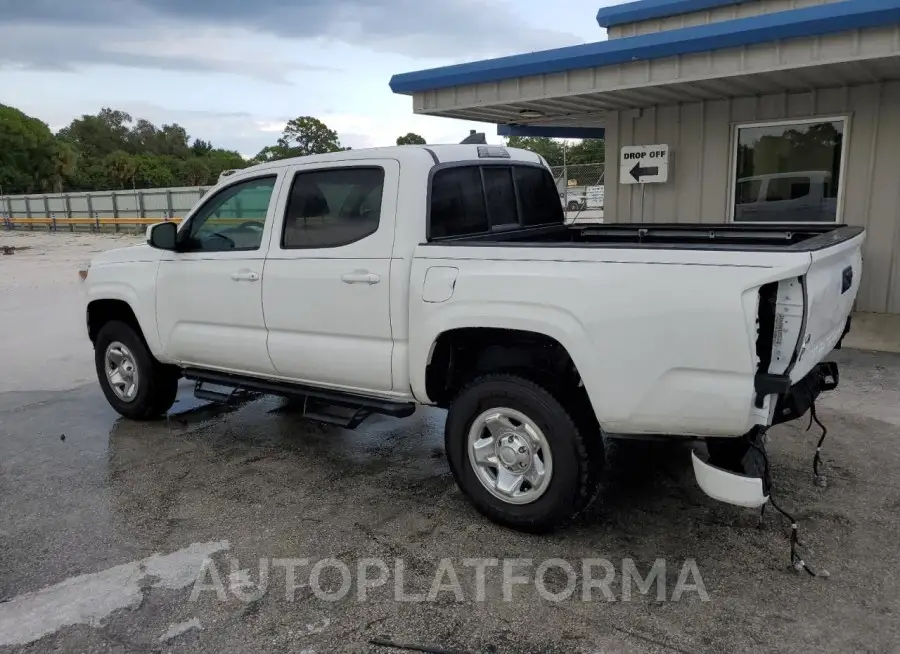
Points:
(474, 138)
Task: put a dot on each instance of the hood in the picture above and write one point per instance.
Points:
(132, 254)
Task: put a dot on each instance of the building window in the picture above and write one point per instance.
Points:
(789, 172)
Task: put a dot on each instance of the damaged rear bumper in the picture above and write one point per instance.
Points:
(729, 487)
(750, 488)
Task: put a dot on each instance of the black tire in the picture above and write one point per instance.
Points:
(577, 452)
(573, 205)
(157, 383)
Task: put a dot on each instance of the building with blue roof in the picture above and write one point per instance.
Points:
(772, 111)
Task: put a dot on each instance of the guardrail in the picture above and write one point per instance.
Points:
(54, 224)
(107, 210)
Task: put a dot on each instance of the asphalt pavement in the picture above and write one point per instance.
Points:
(252, 529)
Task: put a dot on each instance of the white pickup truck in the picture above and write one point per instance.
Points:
(369, 281)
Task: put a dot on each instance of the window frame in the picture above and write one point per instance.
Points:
(184, 230)
(733, 172)
(480, 165)
(364, 165)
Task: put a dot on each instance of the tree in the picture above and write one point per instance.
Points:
(112, 150)
(120, 169)
(154, 171)
(194, 172)
(172, 139)
(272, 153)
(307, 135)
(101, 135)
(63, 161)
(220, 160)
(587, 151)
(301, 137)
(27, 150)
(410, 139)
(200, 147)
(549, 149)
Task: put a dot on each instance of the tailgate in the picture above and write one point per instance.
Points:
(829, 290)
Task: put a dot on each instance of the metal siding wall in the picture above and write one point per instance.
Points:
(701, 167)
(612, 196)
(743, 10)
(882, 290)
(688, 162)
(667, 131)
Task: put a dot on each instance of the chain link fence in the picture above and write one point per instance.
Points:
(580, 186)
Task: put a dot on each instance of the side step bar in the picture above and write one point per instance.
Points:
(318, 402)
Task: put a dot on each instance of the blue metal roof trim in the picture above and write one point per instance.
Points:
(633, 12)
(552, 132)
(795, 23)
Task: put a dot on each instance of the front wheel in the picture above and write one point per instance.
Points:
(134, 382)
(518, 454)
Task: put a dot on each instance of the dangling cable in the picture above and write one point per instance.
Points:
(796, 560)
(820, 480)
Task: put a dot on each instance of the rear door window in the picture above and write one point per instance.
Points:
(538, 196)
(787, 188)
(457, 203)
(333, 207)
(500, 195)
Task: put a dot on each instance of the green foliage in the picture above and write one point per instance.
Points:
(583, 152)
(29, 158)
(410, 139)
(587, 151)
(550, 149)
(302, 136)
(112, 150)
(109, 150)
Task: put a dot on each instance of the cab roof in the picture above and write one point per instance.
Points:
(412, 154)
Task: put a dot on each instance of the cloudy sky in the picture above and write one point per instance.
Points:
(233, 71)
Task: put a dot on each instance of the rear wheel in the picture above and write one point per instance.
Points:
(134, 383)
(519, 455)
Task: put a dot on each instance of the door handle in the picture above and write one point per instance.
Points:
(361, 277)
(245, 276)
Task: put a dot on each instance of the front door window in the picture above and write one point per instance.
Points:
(231, 220)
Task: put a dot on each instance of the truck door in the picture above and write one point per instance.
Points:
(209, 293)
(326, 290)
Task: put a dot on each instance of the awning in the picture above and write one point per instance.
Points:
(633, 12)
(827, 46)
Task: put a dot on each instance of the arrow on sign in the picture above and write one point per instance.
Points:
(637, 172)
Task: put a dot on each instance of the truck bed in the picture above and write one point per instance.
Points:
(689, 236)
(668, 325)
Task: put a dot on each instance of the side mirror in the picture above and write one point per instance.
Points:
(162, 236)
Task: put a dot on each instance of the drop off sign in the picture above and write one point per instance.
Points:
(644, 164)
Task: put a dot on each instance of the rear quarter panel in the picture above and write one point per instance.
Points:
(664, 340)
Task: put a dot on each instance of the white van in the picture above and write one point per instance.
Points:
(801, 197)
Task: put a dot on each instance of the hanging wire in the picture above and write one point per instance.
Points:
(817, 459)
(797, 560)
